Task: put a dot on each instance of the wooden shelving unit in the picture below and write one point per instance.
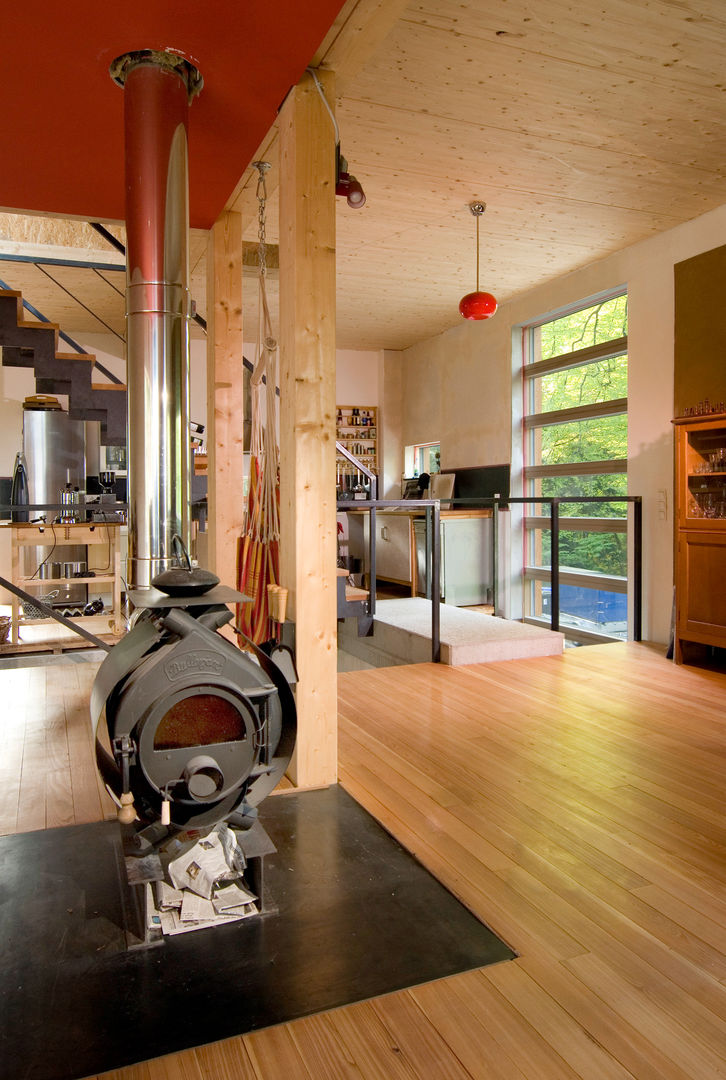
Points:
(95, 536)
(700, 554)
(357, 430)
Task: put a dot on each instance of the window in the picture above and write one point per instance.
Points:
(425, 457)
(575, 436)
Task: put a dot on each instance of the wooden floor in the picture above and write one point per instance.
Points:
(575, 803)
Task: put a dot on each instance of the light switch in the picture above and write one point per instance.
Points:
(662, 504)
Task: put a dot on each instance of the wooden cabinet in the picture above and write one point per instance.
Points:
(700, 532)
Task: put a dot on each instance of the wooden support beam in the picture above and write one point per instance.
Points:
(307, 410)
(225, 401)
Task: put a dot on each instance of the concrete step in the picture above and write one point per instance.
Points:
(402, 635)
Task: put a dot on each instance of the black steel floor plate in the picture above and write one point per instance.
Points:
(356, 917)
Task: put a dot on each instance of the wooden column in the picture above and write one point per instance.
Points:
(225, 404)
(307, 409)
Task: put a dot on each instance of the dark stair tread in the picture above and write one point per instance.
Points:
(59, 373)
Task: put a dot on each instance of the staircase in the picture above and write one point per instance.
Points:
(34, 345)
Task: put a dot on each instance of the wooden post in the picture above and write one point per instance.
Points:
(307, 409)
(225, 398)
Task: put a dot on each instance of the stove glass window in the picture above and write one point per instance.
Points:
(199, 720)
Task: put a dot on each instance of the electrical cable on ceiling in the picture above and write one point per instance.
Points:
(320, 90)
(345, 183)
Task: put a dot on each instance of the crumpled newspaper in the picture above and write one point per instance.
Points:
(216, 857)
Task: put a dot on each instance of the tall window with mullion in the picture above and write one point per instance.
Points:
(575, 446)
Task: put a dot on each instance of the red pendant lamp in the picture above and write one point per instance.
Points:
(477, 305)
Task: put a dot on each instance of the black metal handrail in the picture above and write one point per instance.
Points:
(359, 466)
(497, 504)
(433, 517)
(554, 502)
(79, 508)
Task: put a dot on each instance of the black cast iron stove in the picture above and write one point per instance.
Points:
(199, 731)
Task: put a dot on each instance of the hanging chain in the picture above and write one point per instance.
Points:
(262, 167)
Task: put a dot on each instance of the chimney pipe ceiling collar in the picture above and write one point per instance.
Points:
(174, 62)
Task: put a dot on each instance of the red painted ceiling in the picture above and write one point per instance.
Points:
(62, 116)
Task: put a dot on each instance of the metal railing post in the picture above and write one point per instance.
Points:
(435, 582)
(638, 569)
(372, 561)
(555, 564)
(428, 549)
(495, 548)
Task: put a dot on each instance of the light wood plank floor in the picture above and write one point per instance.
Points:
(575, 803)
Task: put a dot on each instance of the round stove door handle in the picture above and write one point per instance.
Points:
(203, 777)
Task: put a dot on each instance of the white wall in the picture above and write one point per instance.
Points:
(456, 387)
(356, 378)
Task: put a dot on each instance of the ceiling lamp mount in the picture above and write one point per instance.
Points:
(477, 305)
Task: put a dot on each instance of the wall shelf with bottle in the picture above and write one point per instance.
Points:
(700, 556)
(357, 430)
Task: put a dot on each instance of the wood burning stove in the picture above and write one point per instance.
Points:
(199, 731)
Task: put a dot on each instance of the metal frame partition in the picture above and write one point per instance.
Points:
(554, 502)
(432, 509)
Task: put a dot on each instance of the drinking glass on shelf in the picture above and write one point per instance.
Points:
(709, 505)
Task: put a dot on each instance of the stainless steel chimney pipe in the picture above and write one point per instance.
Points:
(158, 88)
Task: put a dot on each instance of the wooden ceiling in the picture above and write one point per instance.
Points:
(585, 128)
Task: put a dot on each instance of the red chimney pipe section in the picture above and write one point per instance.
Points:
(158, 89)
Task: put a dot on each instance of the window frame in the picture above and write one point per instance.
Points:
(535, 525)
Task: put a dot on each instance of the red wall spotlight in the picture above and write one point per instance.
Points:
(346, 184)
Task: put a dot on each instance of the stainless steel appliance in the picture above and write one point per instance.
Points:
(55, 456)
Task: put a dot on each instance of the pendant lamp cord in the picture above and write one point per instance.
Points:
(477, 252)
(477, 209)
